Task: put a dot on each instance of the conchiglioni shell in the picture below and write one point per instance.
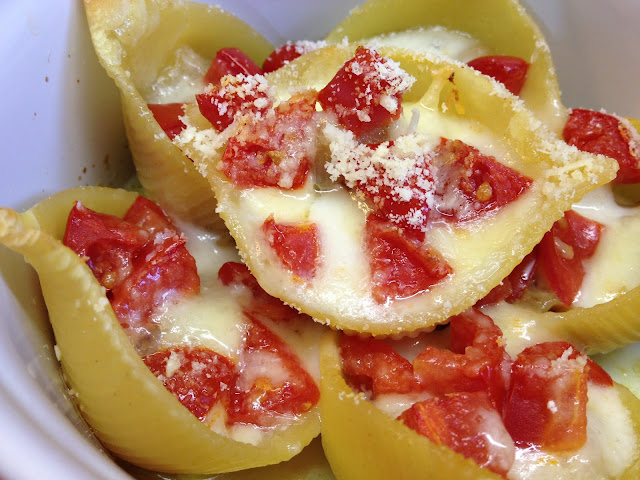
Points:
(503, 26)
(360, 441)
(134, 41)
(129, 409)
(310, 464)
(481, 252)
(597, 329)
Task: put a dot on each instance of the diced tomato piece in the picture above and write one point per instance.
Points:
(547, 399)
(597, 132)
(238, 94)
(513, 286)
(280, 57)
(149, 216)
(366, 93)
(260, 302)
(108, 243)
(275, 151)
(141, 259)
(295, 244)
(168, 117)
(230, 61)
(198, 377)
(477, 362)
(562, 251)
(474, 183)
(271, 382)
(400, 268)
(510, 71)
(288, 52)
(473, 328)
(382, 191)
(468, 424)
(162, 271)
(371, 365)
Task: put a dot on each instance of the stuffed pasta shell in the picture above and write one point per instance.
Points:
(384, 212)
(160, 54)
(454, 404)
(176, 357)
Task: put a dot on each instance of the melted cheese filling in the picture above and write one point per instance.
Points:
(615, 267)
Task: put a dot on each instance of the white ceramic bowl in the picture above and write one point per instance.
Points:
(61, 128)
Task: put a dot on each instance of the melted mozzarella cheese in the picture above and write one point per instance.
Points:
(212, 319)
(436, 40)
(615, 266)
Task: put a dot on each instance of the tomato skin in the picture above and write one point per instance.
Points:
(547, 399)
(598, 132)
(238, 94)
(275, 151)
(477, 361)
(260, 303)
(168, 117)
(508, 70)
(230, 61)
(257, 396)
(295, 244)
(400, 268)
(483, 182)
(460, 422)
(356, 94)
(371, 365)
(198, 386)
(562, 251)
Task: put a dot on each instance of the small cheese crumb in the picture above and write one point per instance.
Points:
(173, 364)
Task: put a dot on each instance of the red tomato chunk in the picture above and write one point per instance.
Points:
(235, 95)
(198, 377)
(547, 399)
(467, 423)
(474, 183)
(168, 117)
(277, 150)
(598, 132)
(476, 361)
(366, 93)
(295, 244)
(562, 251)
(230, 61)
(271, 383)
(400, 267)
(373, 366)
(510, 71)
